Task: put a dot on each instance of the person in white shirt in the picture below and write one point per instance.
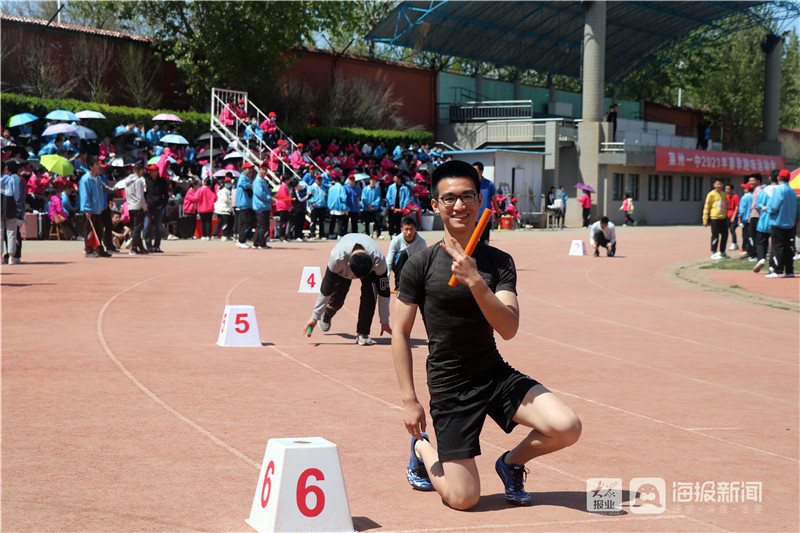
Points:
(602, 233)
(134, 195)
(403, 246)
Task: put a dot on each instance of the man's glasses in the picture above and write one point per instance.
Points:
(466, 198)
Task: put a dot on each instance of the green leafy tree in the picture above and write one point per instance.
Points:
(238, 45)
(721, 71)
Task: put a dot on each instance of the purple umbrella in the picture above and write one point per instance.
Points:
(58, 128)
(167, 117)
(585, 187)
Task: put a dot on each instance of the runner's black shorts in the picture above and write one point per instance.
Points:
(458, 418)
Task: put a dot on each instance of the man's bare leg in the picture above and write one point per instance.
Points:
(457, 482)
(556, 426)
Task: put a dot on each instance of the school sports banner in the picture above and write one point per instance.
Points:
(704, 162)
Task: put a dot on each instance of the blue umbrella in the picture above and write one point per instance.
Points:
(173, 139)
(85, 133)
(61, 114)
(22, 118)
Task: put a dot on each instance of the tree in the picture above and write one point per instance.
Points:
(239, 45)
(721, 71)
(138, 76)
(92, 63)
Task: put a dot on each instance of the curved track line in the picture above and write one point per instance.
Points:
(675, 426)
(336, 380)
(194, 425)
(653, 332)
(736, 389)
(654, 304)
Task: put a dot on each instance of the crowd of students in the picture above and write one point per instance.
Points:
(768, 215)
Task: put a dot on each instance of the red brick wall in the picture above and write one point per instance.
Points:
(415, 86)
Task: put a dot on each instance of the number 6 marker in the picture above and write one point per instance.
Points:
(300, 488)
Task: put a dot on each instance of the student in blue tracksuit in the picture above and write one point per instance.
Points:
(337, 205)
(92, 205)
(763, 227)
(397, 198)
(782, 210)
(244, 205)
(371, 206)
(353, 203)
(317, 200)
(745, 204)
(262, 205)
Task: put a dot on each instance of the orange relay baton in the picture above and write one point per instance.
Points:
(473, 241)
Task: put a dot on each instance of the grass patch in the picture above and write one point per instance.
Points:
(738, 264)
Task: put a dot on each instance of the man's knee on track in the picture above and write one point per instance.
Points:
(463, 498)
(568, 430)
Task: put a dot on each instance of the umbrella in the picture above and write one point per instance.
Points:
(209, 153)
(57, 164)
(156, 159)
(122, 160)
(224, 172)
(208, 136)
(61, 114)
(123, 135)
(167, 117)
(17, 160)
(794, 180)
(89, 114)
(22, 118)
(585, 187)
(85, 133)
(234, 155)
(173, 139)
(35, 166)
(55, 129)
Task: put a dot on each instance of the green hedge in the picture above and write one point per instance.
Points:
(193, 123)
(325, 134)
(12, 104)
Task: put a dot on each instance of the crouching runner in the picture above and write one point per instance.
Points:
(467, 377)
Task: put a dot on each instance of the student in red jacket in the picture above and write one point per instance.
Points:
(586, 204)
(733, 215)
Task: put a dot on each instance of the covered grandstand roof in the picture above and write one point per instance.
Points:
(548, 36)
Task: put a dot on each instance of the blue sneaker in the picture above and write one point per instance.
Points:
(513, 477)
(416, 472)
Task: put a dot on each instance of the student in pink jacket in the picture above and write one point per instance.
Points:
(205, 198)
(190, 202)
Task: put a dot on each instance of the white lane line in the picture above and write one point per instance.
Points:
(654, 332)
(669, 424)
(530, 526)
(194, 425)
(643, 365)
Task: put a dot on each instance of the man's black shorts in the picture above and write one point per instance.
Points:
(458, 419)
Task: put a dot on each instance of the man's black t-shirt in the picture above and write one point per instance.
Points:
(460, 340)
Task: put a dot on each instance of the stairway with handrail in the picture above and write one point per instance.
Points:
(221, 98)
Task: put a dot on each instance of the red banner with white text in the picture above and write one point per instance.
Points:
(703, 162)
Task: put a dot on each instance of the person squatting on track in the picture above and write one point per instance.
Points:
(716, 208)
(602, 233)
(355, 256)
(467, 377)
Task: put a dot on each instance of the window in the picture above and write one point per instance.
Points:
(633, 186)
(686, 188)
(698, 188)
(652, 188)
(617, 186)
(666, 188)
